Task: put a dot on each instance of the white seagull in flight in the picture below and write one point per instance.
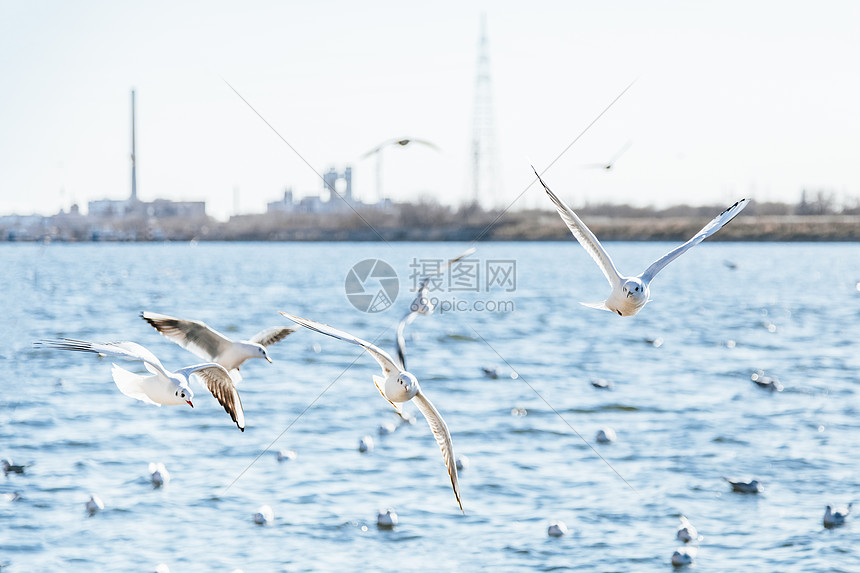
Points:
(398, 386)
(161, 387)
(209, 344)
(422, 305)
(629, 294)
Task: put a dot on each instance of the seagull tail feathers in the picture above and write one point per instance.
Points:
(598, 305)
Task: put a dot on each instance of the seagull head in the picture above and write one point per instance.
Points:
(185, 393)
(634, 288)
(401, 388)
(263, 353)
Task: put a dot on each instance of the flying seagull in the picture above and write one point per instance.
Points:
(161, 387)
(398, 386)
(629, 294)
(402, 142)
(209, 344)
(611, 163)
(422, 305)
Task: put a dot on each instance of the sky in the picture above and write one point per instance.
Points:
(731, 99)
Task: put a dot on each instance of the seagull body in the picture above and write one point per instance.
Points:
(264, 515)
(556, 529)
(365, 444)
(158, 474)
(161, 387)
(396, 387)
(94, 505)
(752, 486)
(462, 463)
(209, 344)
(684, 556)
(836, 518)
(686, 531)
(386, 429)
(286, 455)
(421, 305)
(602, 383)
(630, 294)
(771, 383)
(387, 520)
(10, 468)
(606, 436)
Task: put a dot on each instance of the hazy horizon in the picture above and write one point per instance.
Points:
(729, 101)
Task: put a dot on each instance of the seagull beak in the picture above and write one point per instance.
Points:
(267, 358)
(189, 403)
(629, 293)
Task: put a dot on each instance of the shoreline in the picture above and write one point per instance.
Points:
(532, 226)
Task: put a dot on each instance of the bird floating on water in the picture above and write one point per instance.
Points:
(264, 515)
(684, 556)
(162, 387)
(771, 383)
(606, 436)
(365, 444)
(398, 386)
(686, 531)
(386, 428)
(556, 529)
(209, 344)
(752, 486)
(10, 468)
(286, 455)
(387, 520)
(94, 505)
(630, 294)
(158, 474)
(835, 518)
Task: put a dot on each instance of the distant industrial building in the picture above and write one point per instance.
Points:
(336, 203)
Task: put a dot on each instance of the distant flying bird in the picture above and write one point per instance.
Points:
(403, 142)
(615, 158)
(209, 344)
(629, 294)
(162, 387)
(422, 305)
(396, 387)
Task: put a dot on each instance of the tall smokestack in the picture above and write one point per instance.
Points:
(133, 172)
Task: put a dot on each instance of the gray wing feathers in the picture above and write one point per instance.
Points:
(129, 350)
(443, 438)
(192, 335)
(712, 227)
(270, 336)
(218, 381)
(382, 357)
(585, 237)
(401, 340)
